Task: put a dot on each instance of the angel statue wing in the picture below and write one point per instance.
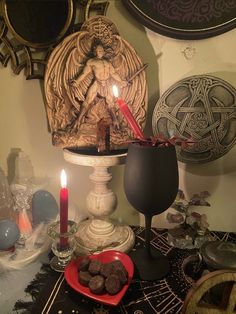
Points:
(65, 63)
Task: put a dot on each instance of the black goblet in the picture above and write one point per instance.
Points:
(151, 184)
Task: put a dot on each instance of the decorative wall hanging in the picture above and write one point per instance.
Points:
(185, 19)
(202, 107)
(80, 74)
(30, 29)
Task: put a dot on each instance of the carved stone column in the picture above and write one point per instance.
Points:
(99, 233)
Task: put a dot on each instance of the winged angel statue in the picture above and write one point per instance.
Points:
(78, 85)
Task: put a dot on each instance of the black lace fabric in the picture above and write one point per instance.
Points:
(52, 295)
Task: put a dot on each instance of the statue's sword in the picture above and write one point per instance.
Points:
(129, 80)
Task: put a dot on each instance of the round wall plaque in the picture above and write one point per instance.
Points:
(201, 107)
(185, 19)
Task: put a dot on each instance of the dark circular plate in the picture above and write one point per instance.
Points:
(219, 254)
(185, 19)
(92, 151)
(201, 107)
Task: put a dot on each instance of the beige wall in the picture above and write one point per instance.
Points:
(23, 122)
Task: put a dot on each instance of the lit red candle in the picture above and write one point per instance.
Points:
(63, 207)
(128, 115)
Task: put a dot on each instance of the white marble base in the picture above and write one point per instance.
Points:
(99, 234)
(95, 235)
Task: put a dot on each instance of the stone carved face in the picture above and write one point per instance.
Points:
(99, 51)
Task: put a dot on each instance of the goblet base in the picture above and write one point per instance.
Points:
(58, 265)
(149, 266)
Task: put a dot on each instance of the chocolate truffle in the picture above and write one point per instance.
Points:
(117, 264)
(84, 264)
(106, 269)
(122, 275)
(113, 284)
(84, 278)
(97, 284)
(94, 267)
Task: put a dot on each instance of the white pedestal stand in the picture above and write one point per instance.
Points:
(99, 234)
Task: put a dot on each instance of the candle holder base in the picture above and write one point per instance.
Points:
(58, 264)
(98, 235)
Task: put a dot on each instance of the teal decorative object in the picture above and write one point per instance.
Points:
(44, 207)
(9, 234)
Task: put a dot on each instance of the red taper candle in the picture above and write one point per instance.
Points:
(63, 207)
(128, 115)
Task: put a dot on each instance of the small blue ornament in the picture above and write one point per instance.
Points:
(9, 234)
(44, 207)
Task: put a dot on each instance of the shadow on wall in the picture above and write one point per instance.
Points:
(136, 35)
(11, 160)
(41, 85)
(228, 76)
(198, 177)
(207, 176)
(221, 166)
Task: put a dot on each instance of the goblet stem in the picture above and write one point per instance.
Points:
(148, 224)
(150, 264)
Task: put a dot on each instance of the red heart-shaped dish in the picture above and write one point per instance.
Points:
(71, 276)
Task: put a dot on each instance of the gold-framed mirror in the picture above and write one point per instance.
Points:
(30, 29)
(38, 24)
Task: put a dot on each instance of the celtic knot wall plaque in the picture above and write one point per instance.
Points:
(202, 107)
(30, 29)
(185, 19)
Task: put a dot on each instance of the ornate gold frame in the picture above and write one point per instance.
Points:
(32, 56)
(23, 41)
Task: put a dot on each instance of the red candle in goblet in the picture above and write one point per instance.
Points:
(128, 115)
(63, 208)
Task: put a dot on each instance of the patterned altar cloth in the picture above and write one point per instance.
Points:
(52, 295)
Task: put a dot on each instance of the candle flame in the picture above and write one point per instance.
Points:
(63, 179)
(115, 90)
